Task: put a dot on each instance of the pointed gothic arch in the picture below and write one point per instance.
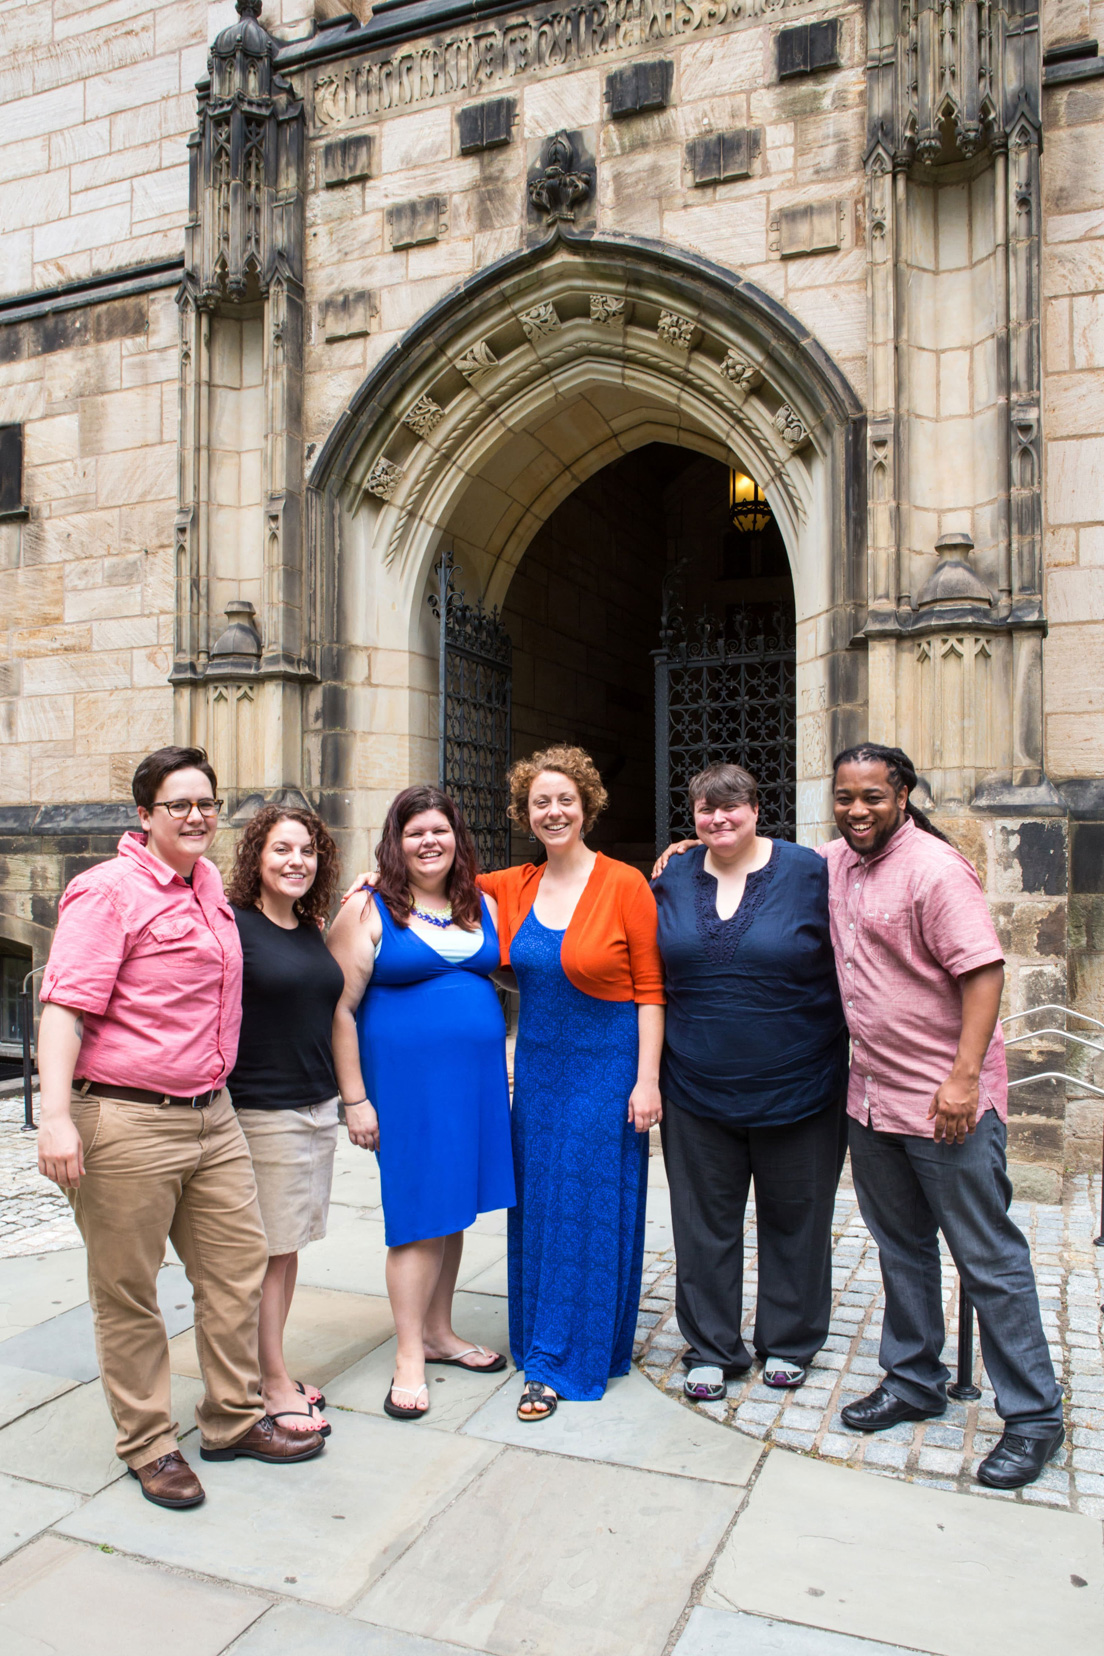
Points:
(517, 387)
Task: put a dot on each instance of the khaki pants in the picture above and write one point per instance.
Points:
(154, 1172)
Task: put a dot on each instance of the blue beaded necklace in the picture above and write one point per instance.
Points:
(434, 917)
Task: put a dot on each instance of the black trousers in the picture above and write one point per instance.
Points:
(710, 1166)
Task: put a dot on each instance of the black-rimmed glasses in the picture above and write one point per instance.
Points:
(178, 809)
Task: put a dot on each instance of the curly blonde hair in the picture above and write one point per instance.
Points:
(571, 762)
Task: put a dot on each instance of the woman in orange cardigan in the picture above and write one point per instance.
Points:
(580, 935)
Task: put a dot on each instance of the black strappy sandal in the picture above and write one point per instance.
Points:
(537, 1392)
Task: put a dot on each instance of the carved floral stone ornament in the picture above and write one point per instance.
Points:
(675, 330)
(790, 428)
(559, 189)
(423, 416)
(606, 308)
(383, 479)
(480, 359)
(740, 371)
(540, 320)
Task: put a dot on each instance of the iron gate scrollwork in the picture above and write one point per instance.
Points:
(725, 691)
(474, 714)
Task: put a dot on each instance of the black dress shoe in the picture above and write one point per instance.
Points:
(1018, 1460)
(881, 1410)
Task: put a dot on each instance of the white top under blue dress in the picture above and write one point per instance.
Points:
(433, 1056)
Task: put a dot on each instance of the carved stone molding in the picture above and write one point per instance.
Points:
(675, 330)
(246, 168)
(384, 478)
(606, 308)
(559, 188)
(947, 79)
(540, 320)
(423, 416)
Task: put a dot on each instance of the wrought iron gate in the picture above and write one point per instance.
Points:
(724, 690)
(474, 714)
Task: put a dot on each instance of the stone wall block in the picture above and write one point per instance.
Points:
(1030, 857)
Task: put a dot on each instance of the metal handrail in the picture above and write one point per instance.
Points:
(1069, 1011)
(1060, 1075)
(26, 1019)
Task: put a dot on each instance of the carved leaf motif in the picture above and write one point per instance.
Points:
(675, 330)
(539, 320)
(791, 429)
(479, 360)
(740, 371)
(605, 307)
(423, 416)
(559, 190)
(383, 479)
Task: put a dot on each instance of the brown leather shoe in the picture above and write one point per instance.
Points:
(169, 1481)
(266, 1440)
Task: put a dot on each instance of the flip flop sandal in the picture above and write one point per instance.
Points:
(705, 1384)
(783, 1376)
(399, 1411)
(535, 1392)
(318, 1402)
(473, 1368)
(324, 1428)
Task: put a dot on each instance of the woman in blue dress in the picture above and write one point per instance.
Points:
(420, 1050)
(579, 931)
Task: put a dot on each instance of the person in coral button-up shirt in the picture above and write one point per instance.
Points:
(141, 1013)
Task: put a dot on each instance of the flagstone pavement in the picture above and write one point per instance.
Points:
(637, 1526)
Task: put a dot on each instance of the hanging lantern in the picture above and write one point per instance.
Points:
(748, 508)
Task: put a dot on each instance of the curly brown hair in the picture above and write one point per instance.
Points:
(244, 889)
(393, 886)
(571, 762)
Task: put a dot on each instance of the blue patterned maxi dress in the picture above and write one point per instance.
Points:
(576, 1235)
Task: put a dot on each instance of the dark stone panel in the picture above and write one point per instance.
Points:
(89, 819)
(1087, 856)
(486, 126)
(16, 819)
(1042, 858)
(639, 87)
(808, 47)
(121, 319)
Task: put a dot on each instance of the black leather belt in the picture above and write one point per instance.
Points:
(142, 1095)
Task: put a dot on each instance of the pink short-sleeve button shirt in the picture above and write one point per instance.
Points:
(906, 924)
(155, 966)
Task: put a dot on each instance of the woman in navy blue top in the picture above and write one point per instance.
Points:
(754, 1075)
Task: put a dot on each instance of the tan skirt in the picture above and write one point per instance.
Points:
(293, 1158)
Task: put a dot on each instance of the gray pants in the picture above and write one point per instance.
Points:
(910, 1189)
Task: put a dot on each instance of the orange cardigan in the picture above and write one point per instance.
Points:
(609, 950)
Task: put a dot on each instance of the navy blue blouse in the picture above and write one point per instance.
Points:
(755, 1029)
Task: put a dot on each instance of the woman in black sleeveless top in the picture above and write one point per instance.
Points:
(283, 1085)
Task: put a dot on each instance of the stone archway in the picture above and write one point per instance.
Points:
(503, 400)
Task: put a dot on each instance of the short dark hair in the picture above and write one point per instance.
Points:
(156, 766)
(723, 785)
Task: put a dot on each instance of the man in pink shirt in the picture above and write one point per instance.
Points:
(139, 1030)
(921, 972)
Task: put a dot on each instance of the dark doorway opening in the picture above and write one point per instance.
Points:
(584, 613)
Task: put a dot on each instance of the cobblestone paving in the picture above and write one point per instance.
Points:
(34, 1216)
(943, 1452)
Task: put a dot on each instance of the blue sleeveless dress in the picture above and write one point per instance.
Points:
(433, 1056)
(576, 1235)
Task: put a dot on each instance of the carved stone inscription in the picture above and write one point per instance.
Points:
(483, 59)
